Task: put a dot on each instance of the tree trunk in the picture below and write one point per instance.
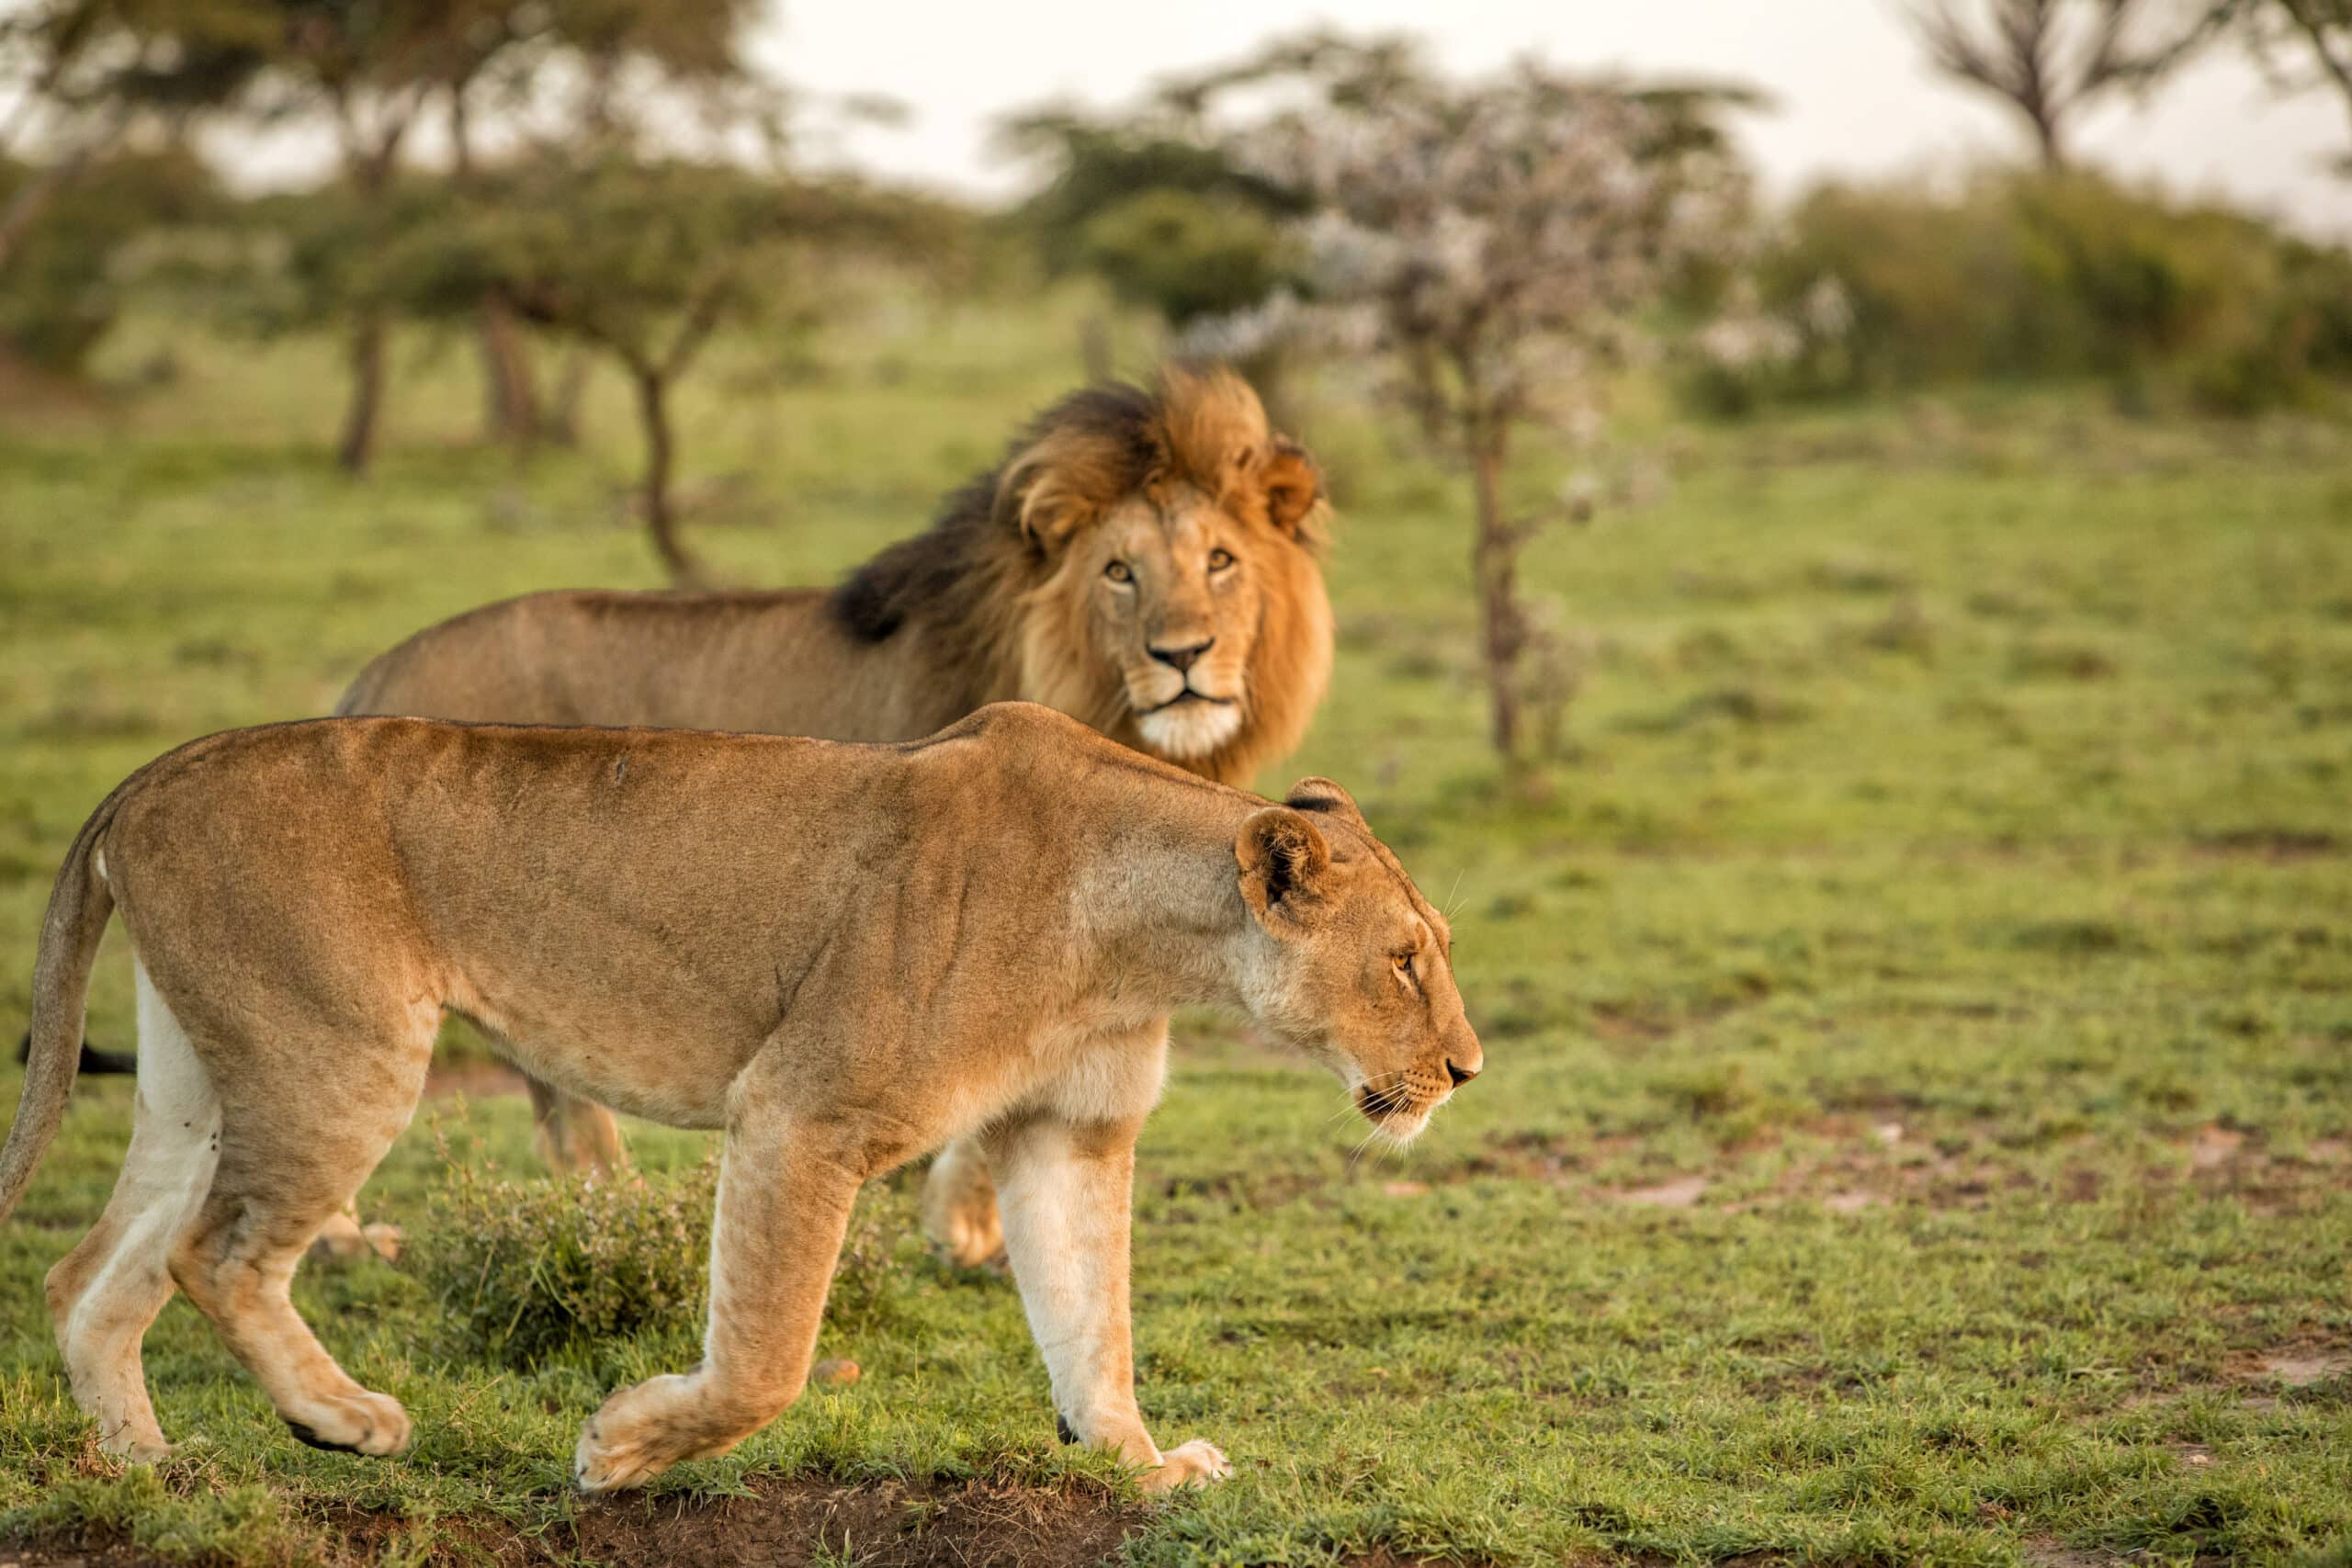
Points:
(32, 198)
(2047, 141)
(561, 426)
(661, 514)
(356, 450)
(1495, 567)
(511, 395)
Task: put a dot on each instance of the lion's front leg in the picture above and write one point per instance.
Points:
(1066, 1190)
(783, 1205)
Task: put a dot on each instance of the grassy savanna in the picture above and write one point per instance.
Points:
(1918, 1123)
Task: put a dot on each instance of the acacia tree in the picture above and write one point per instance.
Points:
(1494, 241)
(92, 86)
(1150, 203)
(2047, 59)
(584, 76)
(643, 261)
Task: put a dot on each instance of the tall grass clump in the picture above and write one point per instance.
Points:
(526, 1270)
(523, 1270)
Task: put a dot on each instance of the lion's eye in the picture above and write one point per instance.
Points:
(1405, 968)
(1220, 559)
(1119, 571)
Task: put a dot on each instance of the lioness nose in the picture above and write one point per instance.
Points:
(1182, 658)
(1458, 1073)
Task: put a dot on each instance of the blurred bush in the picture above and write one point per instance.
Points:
(71, 274)
(2029, 276)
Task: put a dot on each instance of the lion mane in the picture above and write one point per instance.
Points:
(984, 583)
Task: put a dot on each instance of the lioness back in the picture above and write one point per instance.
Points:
(614, 891)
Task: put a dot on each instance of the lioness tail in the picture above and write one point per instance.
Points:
(78, 908)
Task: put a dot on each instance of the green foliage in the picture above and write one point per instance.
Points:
(523, 1270)
(69, 280)
(1171, 221)
(2043, 276)
(631, 254)
(1185, 254)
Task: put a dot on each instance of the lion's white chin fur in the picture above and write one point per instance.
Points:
(1190, 729)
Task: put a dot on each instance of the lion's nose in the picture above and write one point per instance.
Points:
(1182, 658)
(1458, 1073)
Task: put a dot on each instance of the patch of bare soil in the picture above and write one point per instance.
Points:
(782, 1524)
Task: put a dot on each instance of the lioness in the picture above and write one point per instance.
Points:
(843, 955)
(1143, 559)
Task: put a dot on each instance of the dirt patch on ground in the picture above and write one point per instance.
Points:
(782, 1524)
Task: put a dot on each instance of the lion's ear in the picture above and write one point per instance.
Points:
(1292, 484)
(1040, 501)
(1283, 860)
(1321, 795)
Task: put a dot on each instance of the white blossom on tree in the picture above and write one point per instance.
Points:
(1496, 244)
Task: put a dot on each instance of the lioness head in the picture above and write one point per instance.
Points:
(1349, 963)
(1144, 559)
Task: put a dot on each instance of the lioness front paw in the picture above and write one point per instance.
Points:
(1196, 1464)
(642, 1431)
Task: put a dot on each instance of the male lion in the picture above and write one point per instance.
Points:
(1143, 559)
(843, 955)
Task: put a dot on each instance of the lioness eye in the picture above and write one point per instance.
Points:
(1405, 965)
(1119, 571)
(1220, 559)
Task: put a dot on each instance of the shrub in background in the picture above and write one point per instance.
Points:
(2028, 276)
(64, 285)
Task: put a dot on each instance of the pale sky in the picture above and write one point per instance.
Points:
(1853, 94)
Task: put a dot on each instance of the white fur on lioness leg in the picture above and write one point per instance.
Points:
(959, 1211)
(1066, 1191)
(284, 1167)
(104, 1292)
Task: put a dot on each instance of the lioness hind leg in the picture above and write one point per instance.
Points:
(289, 1158)
(574, 1134)
(959, 1209)
(105, 1293)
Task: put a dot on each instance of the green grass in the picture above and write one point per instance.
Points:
(1918, 1008)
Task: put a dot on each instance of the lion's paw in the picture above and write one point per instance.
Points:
(361, 1424)
(960, 1210)
(1196, 1464)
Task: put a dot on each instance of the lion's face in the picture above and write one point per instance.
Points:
(1175, 594)
(1352, 964)
(1173, 599)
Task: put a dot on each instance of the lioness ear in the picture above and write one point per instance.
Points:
(1283, 860)
(1292, 484)
(1322, 795)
